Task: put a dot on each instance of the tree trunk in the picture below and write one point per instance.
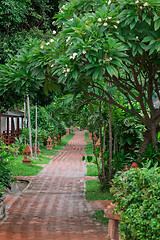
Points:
(35, 154)
(25, 120)
(110, 143)
(104, 136)
(102, 158)
(29, 125)
(94, 151)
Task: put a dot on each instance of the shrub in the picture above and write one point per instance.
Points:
(137, 193)
(1, 190)
(5, 170)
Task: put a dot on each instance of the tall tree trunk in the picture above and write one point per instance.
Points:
(104, 136)
(29, 124)
(110, 143)
(94, 151)
(102, 157)
(25, 120)
(35, 154)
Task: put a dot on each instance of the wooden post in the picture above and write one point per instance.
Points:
(7, 142)
(18, 126)
(12, 125)
(8, 126)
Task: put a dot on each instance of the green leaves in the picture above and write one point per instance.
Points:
(157, 24)
(137, 192)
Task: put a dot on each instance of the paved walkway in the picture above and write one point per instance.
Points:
(53, 207)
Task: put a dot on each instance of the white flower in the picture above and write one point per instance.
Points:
(109, 17)
(84, 51)
(54, 32)
(60, 10)
(115, 26)
(63, 6)
(110, 58)
(140, 7)
(117, 21)
(145, 4)
(68, 69)
(109, 2)
(65, 74)
(105, 24)
(71, 43)
(64, 70)
(137, 1)
(71, 19)
(53, 22)
(68, 39)
(71, 57)
(47, 43)
(74, 55)
(51, 40)
(42, 46)
(137, 37)
(52, 65)
(99, 19)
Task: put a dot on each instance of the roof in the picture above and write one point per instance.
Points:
(12, 113)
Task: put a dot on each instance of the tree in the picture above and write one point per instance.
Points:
(22, 20)
(103, 42)
(116, 43)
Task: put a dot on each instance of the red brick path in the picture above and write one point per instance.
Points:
(54, 206)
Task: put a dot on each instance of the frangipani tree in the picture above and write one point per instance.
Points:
(114, 42)
(107, 43)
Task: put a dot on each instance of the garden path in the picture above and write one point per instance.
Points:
(53, 207)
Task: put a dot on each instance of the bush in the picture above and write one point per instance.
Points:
(5, 170)
(137, 193)
(1, 190)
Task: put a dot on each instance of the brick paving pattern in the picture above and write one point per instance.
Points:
(53, 207)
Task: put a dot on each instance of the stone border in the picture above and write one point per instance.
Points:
(2, 208)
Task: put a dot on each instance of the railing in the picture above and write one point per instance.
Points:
(9, 138)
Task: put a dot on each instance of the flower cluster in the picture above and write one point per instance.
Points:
(73, 56)
(144, 5)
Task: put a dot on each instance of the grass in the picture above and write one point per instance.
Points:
(60, 146)
(92, 170)
(99, 216)
(87, 136)
(89, 148)
(94, 191)
(20, 169)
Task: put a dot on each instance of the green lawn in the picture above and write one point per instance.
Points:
(94, 191)
(60, 146)
(92, 170)
(20, 169)
(88, 148)
(87, 136)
